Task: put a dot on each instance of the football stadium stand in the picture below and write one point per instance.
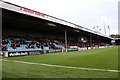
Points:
(25, 32)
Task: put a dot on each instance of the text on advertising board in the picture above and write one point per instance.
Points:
(32, 12)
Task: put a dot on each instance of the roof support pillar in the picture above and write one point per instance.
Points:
(98, 41)
(91, 41)
(65, 40)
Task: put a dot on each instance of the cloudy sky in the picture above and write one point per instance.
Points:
(86, 13)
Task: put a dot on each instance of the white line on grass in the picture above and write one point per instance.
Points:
(69, 67)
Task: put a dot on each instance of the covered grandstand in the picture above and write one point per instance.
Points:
(116, 41)
(28, 32)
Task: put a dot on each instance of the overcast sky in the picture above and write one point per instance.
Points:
(86, 13)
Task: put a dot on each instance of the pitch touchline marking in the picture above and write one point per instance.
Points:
(70, 67)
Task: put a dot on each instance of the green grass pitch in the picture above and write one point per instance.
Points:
(106, 58)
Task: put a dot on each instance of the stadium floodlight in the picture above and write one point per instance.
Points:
(77, 31)
(85, 41)
(51, 24)
(104, 20)
(82, 39)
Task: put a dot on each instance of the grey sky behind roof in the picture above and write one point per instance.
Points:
(86, 13)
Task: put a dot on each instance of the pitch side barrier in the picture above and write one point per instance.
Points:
(39, 52)
(28, 53)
